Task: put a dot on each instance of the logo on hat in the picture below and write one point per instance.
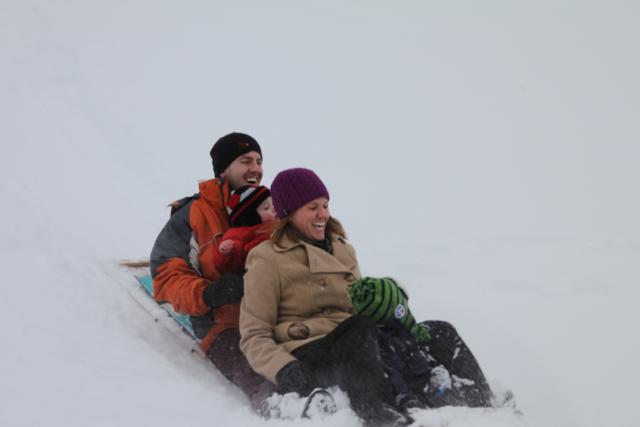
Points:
(400, 312)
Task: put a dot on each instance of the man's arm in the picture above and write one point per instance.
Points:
(174, 266)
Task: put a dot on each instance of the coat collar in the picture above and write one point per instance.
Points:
(215, 192)
(321, 261)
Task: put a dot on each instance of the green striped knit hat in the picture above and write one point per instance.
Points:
(383, 300)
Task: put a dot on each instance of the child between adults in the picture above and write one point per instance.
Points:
(253, 218)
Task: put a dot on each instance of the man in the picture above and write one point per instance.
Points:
(183, 269)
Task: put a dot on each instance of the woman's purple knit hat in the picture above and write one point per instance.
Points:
(293, 188)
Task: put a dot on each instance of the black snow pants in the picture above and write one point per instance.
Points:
(349, 357)
(415, 369)
(449, 350)
(226, 356)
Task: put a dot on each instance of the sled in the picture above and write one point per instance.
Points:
(164, 314)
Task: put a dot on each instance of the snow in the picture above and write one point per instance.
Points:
(485, 154)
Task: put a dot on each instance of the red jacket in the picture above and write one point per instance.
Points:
(182, 257)
(244, 239)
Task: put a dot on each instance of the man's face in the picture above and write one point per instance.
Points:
(244, 170)
(311, 219)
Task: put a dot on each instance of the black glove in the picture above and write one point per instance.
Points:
(201, 324)
(228, 289)
(295, 377)
(396, 341)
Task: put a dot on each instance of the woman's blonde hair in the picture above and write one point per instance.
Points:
(286, 228)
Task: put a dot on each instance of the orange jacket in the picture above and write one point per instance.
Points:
(182, 257)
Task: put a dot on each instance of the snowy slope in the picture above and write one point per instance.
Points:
(484, 154)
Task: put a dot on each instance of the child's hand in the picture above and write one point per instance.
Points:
(225, 247)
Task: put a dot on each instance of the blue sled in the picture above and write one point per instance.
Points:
(184, 320)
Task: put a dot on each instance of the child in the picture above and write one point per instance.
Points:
(252, 218)
(385, 301)
(408, 366)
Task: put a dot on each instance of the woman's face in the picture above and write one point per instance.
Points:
(311, 219)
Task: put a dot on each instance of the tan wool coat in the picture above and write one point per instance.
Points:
(294, 293)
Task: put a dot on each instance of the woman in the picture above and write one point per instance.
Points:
(296, 322)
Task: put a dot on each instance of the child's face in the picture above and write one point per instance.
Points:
(266, 211)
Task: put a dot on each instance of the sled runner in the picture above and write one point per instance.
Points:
(142, 292)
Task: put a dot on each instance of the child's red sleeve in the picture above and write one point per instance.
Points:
(233, 262)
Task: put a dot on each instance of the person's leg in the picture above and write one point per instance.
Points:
(349, 357)
(448, 348)
(226, 356)
(405, 364)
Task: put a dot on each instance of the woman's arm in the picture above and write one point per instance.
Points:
(259, 314)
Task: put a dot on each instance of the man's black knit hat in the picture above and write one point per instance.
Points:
(230, 147)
